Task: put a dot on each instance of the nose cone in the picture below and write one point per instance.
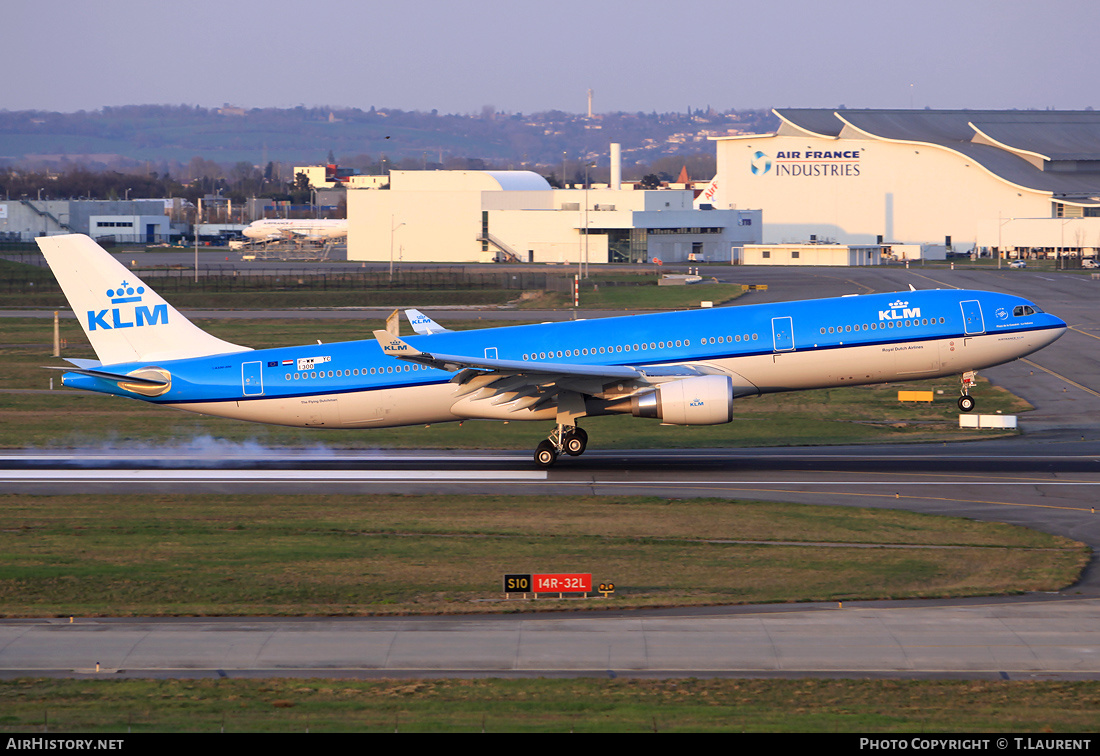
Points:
(1056, 328)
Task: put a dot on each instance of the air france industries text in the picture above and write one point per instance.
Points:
(816, 169)
(810, 163)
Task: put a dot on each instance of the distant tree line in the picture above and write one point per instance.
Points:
(241, 180)
(238, 183)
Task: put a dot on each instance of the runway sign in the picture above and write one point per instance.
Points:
(558, 583)
(517, 583)
(567, 583)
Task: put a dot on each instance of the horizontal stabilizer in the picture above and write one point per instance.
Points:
(82, 363)
(111, 376)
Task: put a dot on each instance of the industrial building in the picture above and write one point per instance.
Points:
(1026, 182)
(486, 216)
(851, 255)
(139, 221)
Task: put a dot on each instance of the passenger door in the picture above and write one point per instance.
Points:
(973, 323)
(782, 334)
(252, 382)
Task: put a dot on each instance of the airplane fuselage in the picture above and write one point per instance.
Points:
(316, 229)
(762, 348)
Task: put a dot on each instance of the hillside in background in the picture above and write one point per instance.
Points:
(165, 136)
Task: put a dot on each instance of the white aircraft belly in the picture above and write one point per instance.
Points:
(383, 408)
(879, 363)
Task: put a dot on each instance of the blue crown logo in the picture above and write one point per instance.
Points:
(125, 293)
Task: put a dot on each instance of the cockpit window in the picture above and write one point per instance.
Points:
(1020, 311)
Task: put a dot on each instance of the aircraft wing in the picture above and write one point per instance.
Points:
(527, 376)
(532, 385)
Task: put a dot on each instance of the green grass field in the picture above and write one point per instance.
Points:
(548, 706)
(327, 555)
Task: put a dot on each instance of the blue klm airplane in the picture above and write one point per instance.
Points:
(681, 368)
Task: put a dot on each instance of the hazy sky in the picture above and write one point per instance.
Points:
(518, 55)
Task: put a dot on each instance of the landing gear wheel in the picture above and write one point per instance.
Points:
(966, 403)
(545, 454)
(576, 442)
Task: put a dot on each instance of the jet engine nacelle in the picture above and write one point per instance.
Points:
(706, 400)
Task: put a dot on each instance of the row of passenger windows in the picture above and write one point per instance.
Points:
(887, 324)
(636, 347)
(642, 347)
(356, 371)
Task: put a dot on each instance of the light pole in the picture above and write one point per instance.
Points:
(392, 229)
(587, 165)
(198, 217)
(1000, 225)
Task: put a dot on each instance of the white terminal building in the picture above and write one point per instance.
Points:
(484, 216)
(1027, 182)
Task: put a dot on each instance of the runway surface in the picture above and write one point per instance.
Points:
(1048, 478)
(1035, 639)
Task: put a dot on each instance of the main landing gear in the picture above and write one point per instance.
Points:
(570, 439)
(966, 401)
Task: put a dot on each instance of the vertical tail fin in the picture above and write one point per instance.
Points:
(125, 320)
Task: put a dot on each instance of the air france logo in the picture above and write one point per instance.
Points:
(761, 163)
(898, 311)
(126, 317)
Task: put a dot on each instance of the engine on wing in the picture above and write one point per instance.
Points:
(705, 400)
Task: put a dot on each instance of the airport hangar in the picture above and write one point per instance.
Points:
(1027, 182)
(516, 216)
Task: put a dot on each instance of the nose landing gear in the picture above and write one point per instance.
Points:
(966, 401)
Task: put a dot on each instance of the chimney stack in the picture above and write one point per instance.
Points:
(616, 166)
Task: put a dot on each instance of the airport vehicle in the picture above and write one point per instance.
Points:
(1088, 262)
(1017, 264)
(682, 368)
(278, 229)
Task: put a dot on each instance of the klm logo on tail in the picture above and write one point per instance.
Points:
(126, 317)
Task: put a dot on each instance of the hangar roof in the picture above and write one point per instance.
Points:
(1048, 150)
(489, 181)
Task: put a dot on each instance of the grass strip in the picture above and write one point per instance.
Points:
(213, 555)
(542, 705)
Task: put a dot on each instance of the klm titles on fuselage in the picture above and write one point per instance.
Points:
(899, 311)
(138, 317)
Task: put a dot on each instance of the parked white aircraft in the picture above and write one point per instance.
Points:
(273, 229)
